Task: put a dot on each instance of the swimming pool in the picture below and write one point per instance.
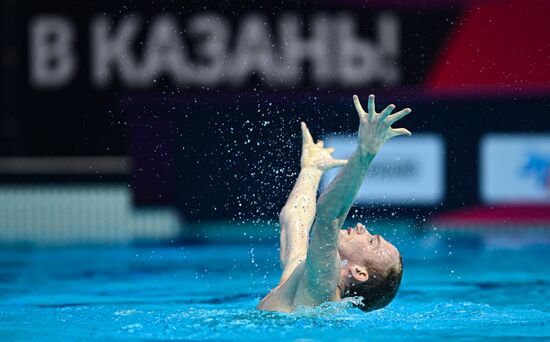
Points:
(453, 287)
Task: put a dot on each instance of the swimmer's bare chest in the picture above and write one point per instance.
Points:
(290, 294)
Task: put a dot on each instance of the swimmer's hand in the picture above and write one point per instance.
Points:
(316, 155)
(375, 128)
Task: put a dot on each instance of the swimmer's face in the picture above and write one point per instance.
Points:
(366, 255)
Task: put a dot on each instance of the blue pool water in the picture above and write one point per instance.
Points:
(453, 287)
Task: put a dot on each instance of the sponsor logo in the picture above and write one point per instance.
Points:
(515, 168)
(537, 167)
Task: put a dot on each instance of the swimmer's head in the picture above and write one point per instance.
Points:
(372, 267)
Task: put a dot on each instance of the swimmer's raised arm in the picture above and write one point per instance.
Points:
(298, 214)
(322, 262)
(374, 130)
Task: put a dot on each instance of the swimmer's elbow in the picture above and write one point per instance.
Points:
(284, 215)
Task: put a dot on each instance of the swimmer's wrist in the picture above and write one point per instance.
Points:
(368, 150)
(367, 154)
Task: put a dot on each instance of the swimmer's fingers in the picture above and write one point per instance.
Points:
(387, 112)
(340, 162)
(398, 116)
(399, 131)
(320, 143)
(371, 106)
(327, 164)
(330, 150)
(306, 136)
(360, 111)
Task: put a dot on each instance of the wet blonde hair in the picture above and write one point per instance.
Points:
(379, 290)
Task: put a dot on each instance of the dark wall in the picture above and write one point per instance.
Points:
(227, 150)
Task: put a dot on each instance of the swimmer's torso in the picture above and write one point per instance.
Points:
(289, 294)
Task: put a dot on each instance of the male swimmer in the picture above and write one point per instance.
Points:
(333, 263)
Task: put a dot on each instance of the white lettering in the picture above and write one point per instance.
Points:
(165, 52)
(114, 51)
(388, 38)
(212, 49)
(253, 52)
(53, 63)
(330, 44)
(363, 61)
(296, 49)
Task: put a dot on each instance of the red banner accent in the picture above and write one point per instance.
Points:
(498, 46)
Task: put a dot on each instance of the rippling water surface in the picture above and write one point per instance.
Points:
(451, 288)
